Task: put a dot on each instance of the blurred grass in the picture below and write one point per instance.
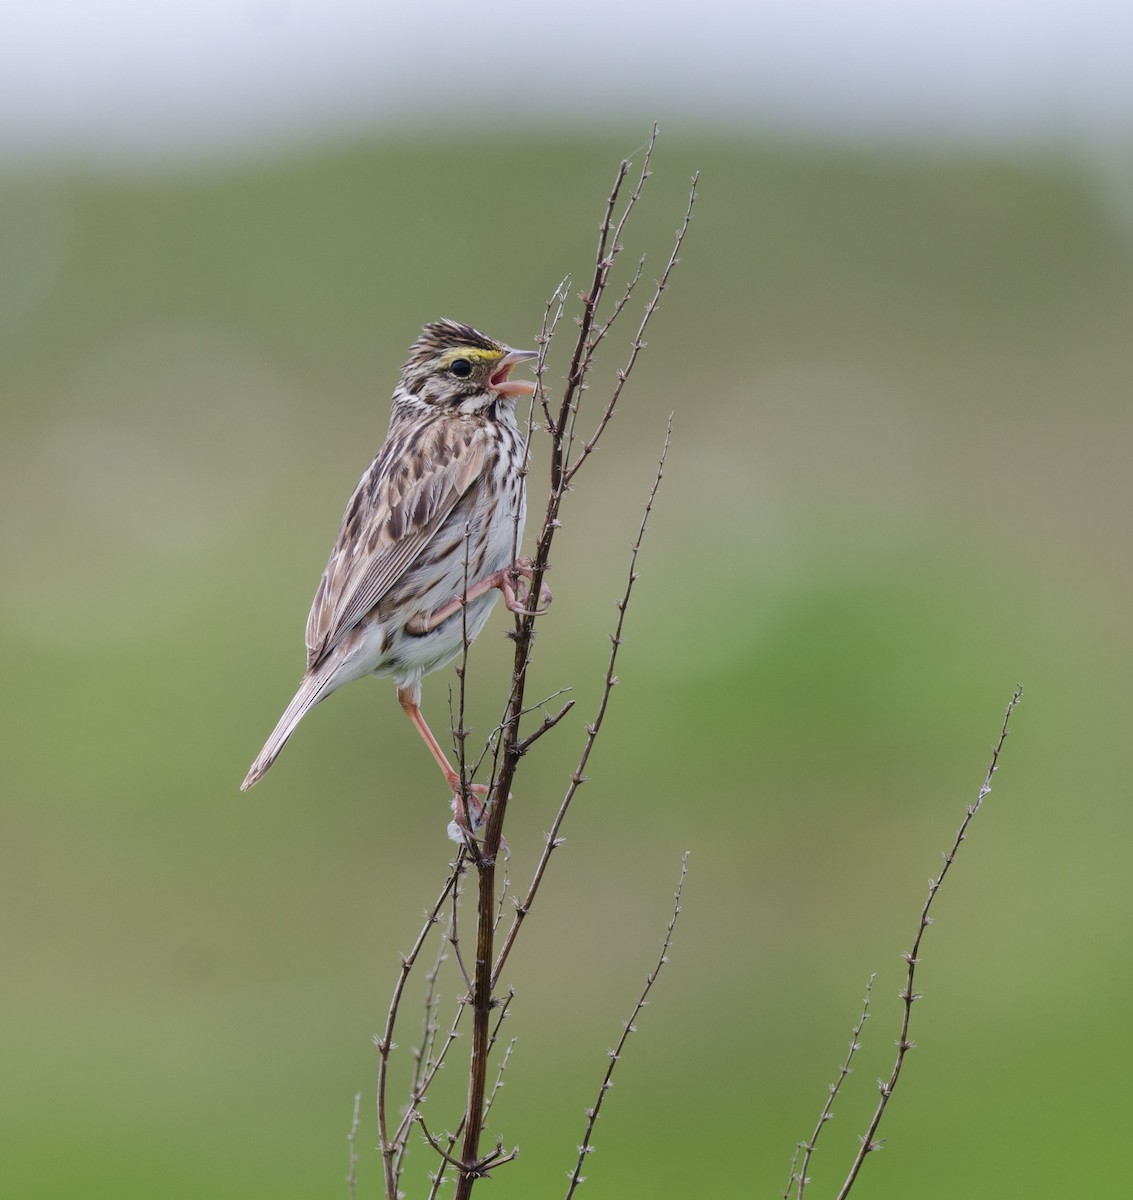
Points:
(899, 483)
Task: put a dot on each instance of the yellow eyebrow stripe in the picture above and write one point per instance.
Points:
(472, 353)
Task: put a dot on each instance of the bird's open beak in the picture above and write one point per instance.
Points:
(499, 381)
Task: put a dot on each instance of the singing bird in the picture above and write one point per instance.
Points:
(432, 528)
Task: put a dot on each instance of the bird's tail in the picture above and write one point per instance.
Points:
(312, 689)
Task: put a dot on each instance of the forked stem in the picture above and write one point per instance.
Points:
(510, 746)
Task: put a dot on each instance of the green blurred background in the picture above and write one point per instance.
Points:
(899, 483)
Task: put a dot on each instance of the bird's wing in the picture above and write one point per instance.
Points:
(399, 504)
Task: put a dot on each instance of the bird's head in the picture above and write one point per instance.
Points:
(456, 366)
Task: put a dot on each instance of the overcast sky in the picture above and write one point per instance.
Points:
(107, 79)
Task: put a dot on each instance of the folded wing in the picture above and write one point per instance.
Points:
(399, 505)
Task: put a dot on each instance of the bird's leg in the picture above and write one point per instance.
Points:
(505, 580)
(410, 700)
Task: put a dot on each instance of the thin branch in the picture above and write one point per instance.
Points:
(576, 375)
(433, 1066)
(595, 333)
(550, 324)
(460, 732)
(481, 1168)
(437, 1181)
(422, 1052)
(385, 1042)
(484, 849)
(635, 195)
(453, 937)
(423, 1066)
(400, 1138)
(553, 841)
(638, 341)
(505, 888)
(607, 248)
(441, 1150)
(351, 1137)
(806, 1149)
(549, 722)
(412, 1115)
(601, 332)
(869, 1142)
(504, 765)
(438, 1062)
(491, 742)
(592, 1114)
(499, 1078)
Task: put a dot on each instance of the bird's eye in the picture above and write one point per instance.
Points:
(461, 368)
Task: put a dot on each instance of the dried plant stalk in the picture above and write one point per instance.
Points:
(570, 446)
(868, 1142)
(592, 1114)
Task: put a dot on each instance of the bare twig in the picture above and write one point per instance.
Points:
(424, 1076)
(400, 1138)
(638, 341)
(499, 1078)
(422, 1052)
(805, 1150)
(552, 315)
(351, 1137)
(591, 334)
(646, 160)
(492, 742)
(602, 331)
(454, 936)
(505, 745)
(592, 1114)
(426, 1066)
(460, 731)
(505, 888)
(869, 1142)
(436, 1182)
(422, 1055)
(438, 1179)
(444, 1152)
(385, 1043)
(549, 722)
(553, 841)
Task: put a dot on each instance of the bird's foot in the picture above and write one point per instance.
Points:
(516, 598)
(469, 811)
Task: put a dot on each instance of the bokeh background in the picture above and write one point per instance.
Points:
(898, 354)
